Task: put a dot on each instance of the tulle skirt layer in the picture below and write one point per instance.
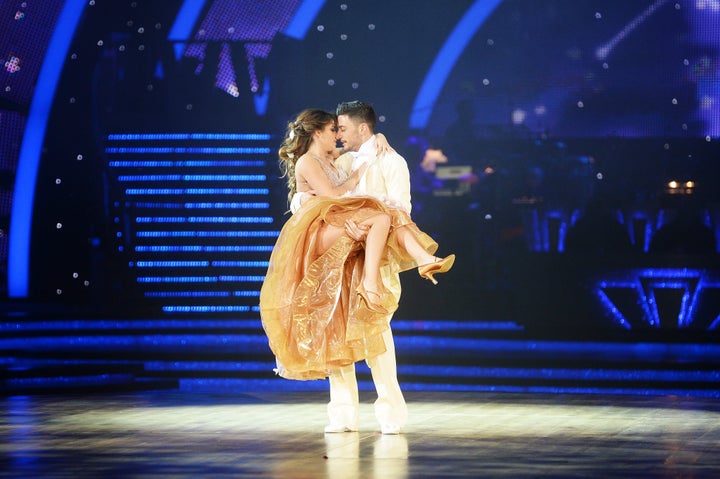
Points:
(310, 311)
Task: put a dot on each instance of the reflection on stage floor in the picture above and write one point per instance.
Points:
(279, 435)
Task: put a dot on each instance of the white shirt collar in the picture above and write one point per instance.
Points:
(367, 148)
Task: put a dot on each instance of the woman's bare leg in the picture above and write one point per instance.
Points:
(378, 229)
(327, 236)
(410, 244)
(375, 242)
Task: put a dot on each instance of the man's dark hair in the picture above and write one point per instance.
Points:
(358, 110)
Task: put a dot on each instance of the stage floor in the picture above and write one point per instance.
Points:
(279, 435)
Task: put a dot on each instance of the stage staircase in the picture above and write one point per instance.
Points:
(48, 355)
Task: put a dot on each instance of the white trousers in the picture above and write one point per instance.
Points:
(390, 407)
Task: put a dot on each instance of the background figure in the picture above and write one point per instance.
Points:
(426, 210)
(424, 179)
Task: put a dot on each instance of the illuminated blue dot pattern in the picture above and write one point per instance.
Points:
(192, 212)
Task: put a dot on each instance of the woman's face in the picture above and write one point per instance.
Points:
(327, 137)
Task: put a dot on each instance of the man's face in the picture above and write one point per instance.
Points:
(349, 133)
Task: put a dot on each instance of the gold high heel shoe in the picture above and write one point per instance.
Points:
(428, 271)
(374, 307)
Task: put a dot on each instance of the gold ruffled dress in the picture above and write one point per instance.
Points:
(310, 311)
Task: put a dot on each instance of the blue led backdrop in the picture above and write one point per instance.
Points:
(565, 150)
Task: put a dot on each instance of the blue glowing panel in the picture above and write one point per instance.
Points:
(188, 136)
(192, 220)
(184, 23)
(445, 60)
(182, 149)
(26, 29)
(245, 30)
(305, 14)
(609, 68)
(11, 126)
(43, 90)
(661, 298)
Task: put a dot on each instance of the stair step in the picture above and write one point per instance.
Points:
(97, 354)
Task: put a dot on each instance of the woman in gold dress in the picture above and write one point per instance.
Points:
(322, 304)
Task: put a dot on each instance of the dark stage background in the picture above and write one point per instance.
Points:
(139, 177)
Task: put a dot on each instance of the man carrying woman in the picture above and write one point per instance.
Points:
(332, 286)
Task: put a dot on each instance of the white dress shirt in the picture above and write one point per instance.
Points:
(387, 177)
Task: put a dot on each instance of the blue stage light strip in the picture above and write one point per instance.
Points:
(611, 309)
(559, 374)
(272, 384)
(196, 191)
(199, 264)
(184, 163)
(304, 16)
(200, 279)
(176, 279)
(204, 219)
(207, 234)
(208, 309)
(686, 352)
(204, 206)
(423, 325)
(202, 249)
(181, 150)
(170, 264)
(233, 205)
(85, 381)
(202, 294)
(189, 136)
(144, 164)
(241, 278)
(240, 264)
(151, 205)
(577, 389)
(152, 341)
(644, 282)
(125, 178)
(78, 326)
(187, 294)
(31, 148)
(478, 373)
(245, 366)
(147, 178)
(445, 60)
(246, 294)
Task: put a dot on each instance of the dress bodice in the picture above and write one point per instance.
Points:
(337, 176)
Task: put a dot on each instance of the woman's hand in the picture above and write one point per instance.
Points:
(354, 179)
(381, 145)
(361, 169)
(356, 231)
